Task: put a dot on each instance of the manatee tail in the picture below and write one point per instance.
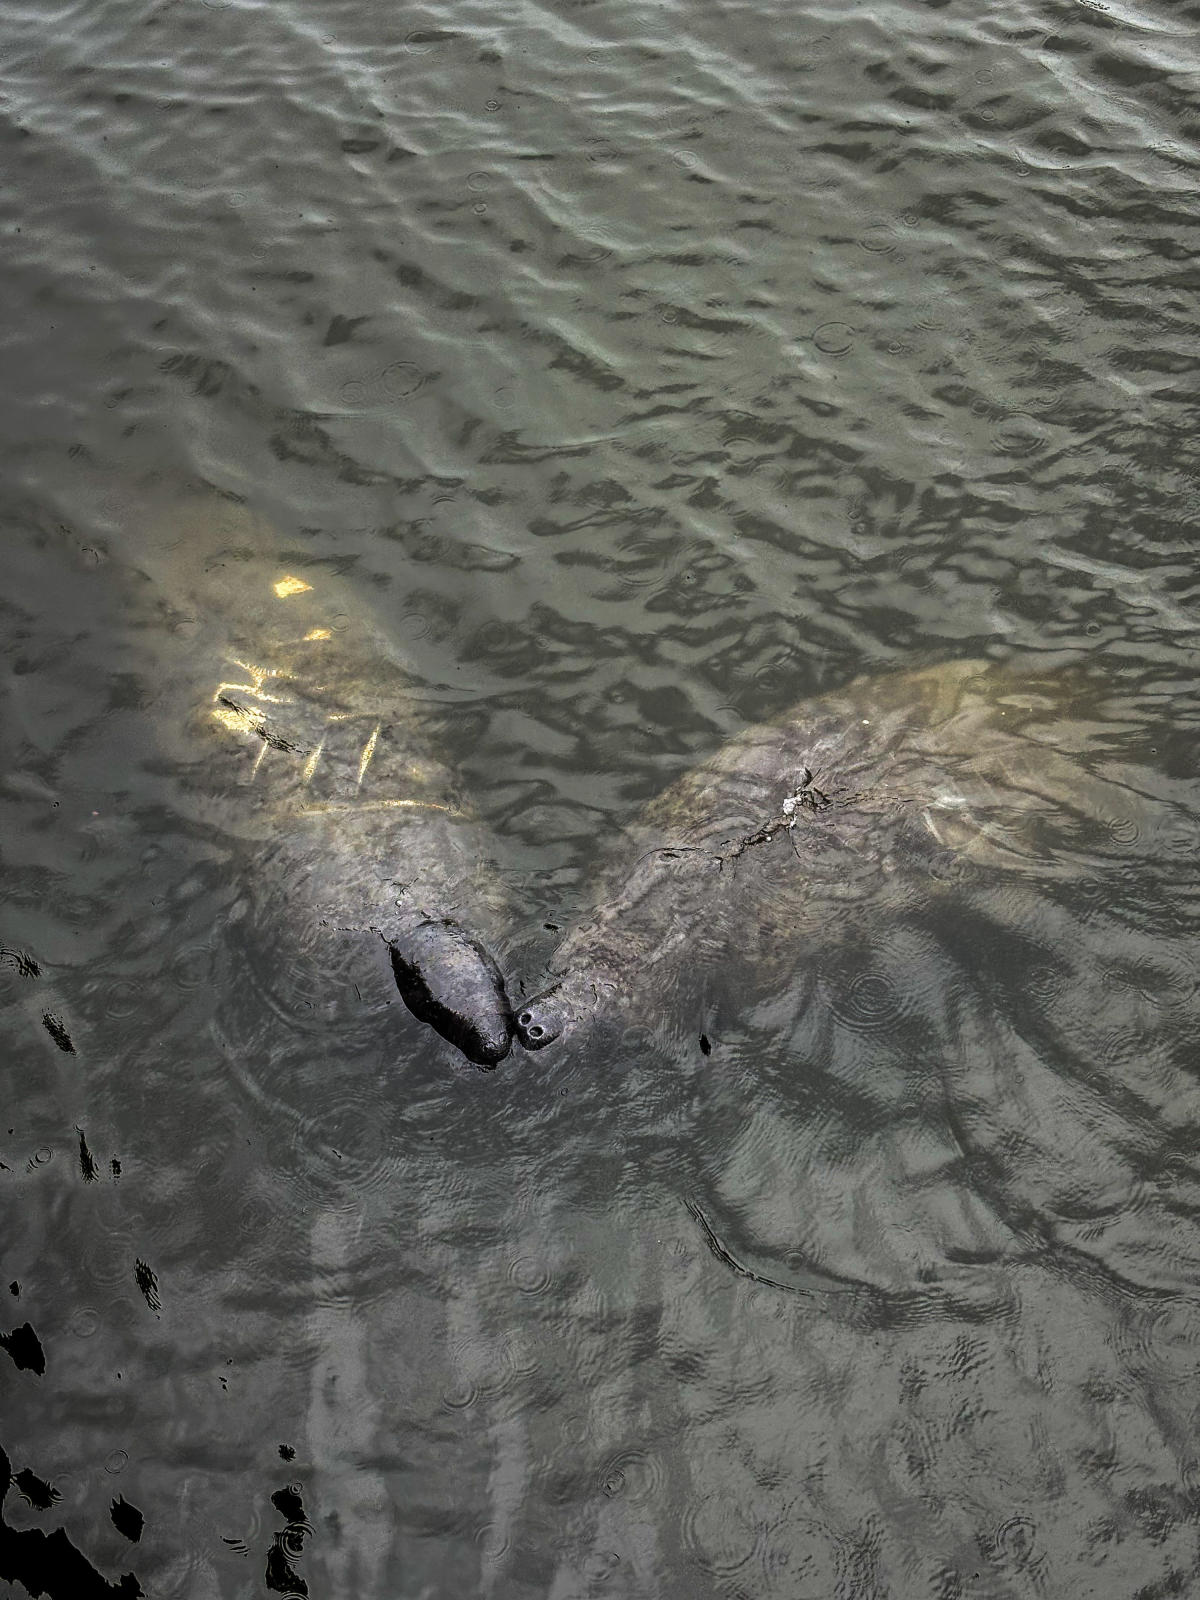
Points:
(450, 981)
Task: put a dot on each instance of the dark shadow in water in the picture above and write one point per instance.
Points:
(288, 1544)
(25, 1348)
(48, 1563)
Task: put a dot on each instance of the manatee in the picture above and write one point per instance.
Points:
(845, 808)
(317, 735)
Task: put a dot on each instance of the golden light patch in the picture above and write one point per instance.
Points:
(286, 587)
(368, 752)
(233, 718)
(310, 766)
(258, 676)
(318, 633)
(380, 805)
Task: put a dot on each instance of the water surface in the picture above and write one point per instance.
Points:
(638, 372)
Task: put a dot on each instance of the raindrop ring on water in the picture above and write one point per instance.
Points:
(800, 1559)
(491, 1541)
(122, 998)
(870, 1000)
(400, 380)
(1124, 830)
(192, 968)
(1018, 435)
(719, 1536)
(1015, 1541)
(530, 1276)
(460, 1397)
(634, 1474)
(878, 239)
(834, 338)
(1164, 1339)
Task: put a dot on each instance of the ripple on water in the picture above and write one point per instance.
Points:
(1019, 436)
(492, 1542)
(1124, 831)
(799, 1559)
(301, 974)
(279, 977)
(529, 1275)
(343, 1133)
(260, 1224)
(1161, 1339)
(1179, 835)
(482, 1369)
(122, 997)
(719, 1535)
(85, 1323)
(1163, 983)
(381, 387)
(108, 1261)
(1014, 1543)
(461, 1395)
(863, 996)
(192, 968)
(633, 1474)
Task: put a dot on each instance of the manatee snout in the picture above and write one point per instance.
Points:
(542, 1019)
(451, 982)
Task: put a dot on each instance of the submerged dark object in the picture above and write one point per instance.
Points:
(328, 757)
(127, 1519)
(25, 1348)
(448, 980)
(840, 816)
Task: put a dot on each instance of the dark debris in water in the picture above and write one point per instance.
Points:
(87, 1163)
(54, 1027)
(147, 1282)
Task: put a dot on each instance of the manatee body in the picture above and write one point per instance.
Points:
(847, 808)
(310, 719)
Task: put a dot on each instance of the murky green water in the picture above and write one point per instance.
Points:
(620, 378)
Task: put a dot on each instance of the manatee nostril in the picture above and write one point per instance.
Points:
(541, 1021)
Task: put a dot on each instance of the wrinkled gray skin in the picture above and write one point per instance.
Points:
(845, 806)
(311, 720)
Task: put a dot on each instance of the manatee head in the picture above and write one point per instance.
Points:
(448, 980)
(554, 1012)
